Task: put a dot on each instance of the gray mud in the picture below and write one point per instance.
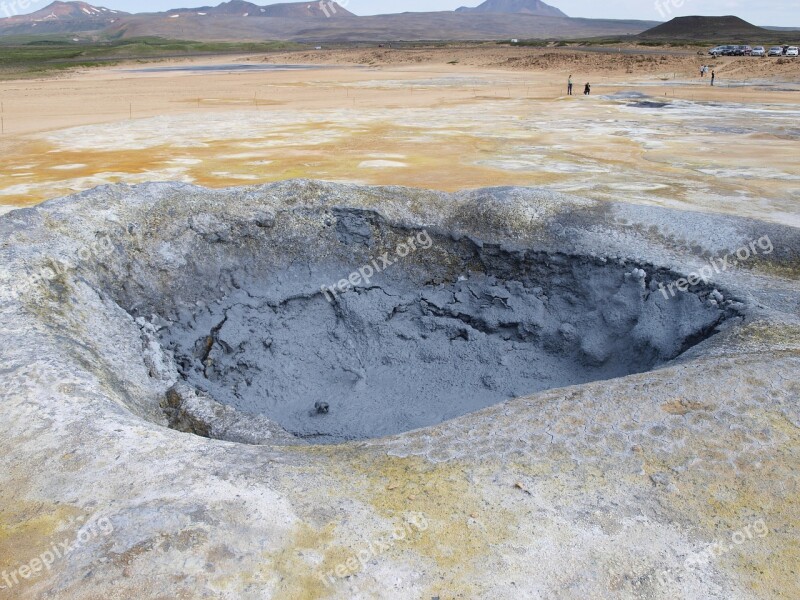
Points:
(446, 331)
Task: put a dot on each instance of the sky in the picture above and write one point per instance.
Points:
(783, 13)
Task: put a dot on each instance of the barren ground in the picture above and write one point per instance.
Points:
(446, 118)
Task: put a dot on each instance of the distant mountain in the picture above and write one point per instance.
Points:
(235, 8)
(445, 25)
(299, 10)
(527, 7)
(286, 10)
(62, 17)
(314, 22)
(80, 11)
(727, 28)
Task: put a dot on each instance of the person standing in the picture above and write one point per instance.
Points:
(587, 90)
(713, 77)
(569, 86)
(702, 70)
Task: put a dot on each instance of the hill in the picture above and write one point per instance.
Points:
(728, 28)
(379, 28)
(286, 10)
(60, 17)
(528, 7)
(316, 22)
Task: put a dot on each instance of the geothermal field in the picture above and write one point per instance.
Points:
(401, 321)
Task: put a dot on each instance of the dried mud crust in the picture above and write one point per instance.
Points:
(419, 344)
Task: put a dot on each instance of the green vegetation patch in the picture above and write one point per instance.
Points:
(22, 57)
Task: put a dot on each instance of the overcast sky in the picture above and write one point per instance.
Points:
(782, 13)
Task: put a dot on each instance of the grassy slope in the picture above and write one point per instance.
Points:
(22, 57)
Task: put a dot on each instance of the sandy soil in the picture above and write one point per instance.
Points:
(593, 61)
(496, 116)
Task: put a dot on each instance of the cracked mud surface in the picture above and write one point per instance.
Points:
(399, 353)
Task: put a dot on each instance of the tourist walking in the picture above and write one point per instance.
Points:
(702, 71)
(713, 77)
(569, 86)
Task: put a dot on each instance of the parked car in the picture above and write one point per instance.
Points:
(741, 51)
(776, 51)
(722, 50)
(759, 51)
(793, 51)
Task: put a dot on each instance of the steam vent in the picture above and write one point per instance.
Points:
(312, 390)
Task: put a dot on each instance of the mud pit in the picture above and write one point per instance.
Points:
(607, 486)
(430, 328)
